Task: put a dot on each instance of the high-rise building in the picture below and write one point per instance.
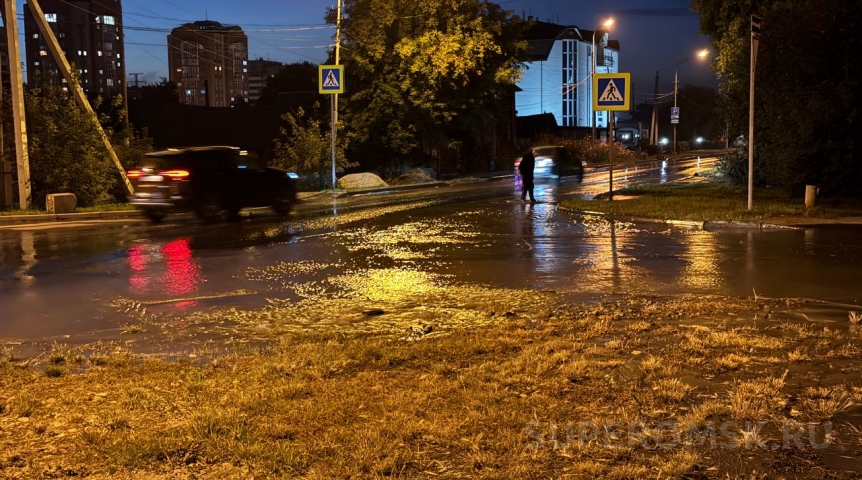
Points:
(90, 32)
(208, 62)
(259, 73)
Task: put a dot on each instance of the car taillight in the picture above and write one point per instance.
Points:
(134, 173)
(175, 174)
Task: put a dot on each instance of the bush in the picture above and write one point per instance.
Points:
(595, 153)
(682, 147)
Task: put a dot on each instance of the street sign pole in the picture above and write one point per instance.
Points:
(611, 158)
(331, 82)
(612, 93)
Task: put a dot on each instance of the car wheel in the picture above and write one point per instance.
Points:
(233, 215)
(154, 215)
(208, 212)
(283, 203)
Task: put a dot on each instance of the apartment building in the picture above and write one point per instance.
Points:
(259, 73)
(90, 32)
(208, 62)
(557, 79)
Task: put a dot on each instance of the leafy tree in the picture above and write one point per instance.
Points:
(807, 95)
(65, 149)
(422, 76)
(305, 147)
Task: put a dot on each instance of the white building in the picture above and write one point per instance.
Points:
(557, 80)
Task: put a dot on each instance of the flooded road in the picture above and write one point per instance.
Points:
(93, 282)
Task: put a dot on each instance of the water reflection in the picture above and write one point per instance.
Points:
(170, 268)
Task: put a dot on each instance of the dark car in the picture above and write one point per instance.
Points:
(208, 181)
(555, 161)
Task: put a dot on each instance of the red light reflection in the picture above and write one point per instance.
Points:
(170, 269)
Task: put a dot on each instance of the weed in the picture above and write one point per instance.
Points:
(854, 317)
(671, 389)
(823, 403)
(64, 354)
(6, 355)
(758, 398)
(54, 371)
(798, 355)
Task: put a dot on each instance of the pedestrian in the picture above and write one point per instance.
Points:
(526, 167)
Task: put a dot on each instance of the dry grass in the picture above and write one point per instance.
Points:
(491, 402)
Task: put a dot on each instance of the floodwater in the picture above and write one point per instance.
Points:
(62, 284)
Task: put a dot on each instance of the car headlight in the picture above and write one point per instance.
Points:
(292, 175)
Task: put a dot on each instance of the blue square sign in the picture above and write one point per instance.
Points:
(612, 91)
(331, 79)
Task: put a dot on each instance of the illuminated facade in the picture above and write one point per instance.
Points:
(557, 78)
(91, 35)
(208, 62)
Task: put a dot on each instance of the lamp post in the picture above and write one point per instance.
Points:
(701, 54)
(607, 24)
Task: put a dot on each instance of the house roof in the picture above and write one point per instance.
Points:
(542, 35)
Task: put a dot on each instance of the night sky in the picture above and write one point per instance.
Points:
(653, 34)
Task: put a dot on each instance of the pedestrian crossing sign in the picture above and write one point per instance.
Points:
(612, 91)
(331, 79)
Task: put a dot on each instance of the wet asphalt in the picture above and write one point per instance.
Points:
(78, 281)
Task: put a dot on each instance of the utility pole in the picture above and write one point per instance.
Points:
(74, 85)
(653, 128)
(755, 38)
(17, 85)
(335, 96)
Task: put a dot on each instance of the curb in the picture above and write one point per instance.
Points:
(701, 225)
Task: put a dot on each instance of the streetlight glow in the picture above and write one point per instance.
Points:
(701, 55)
(607, 24)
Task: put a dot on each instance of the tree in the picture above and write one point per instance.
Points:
(807, 87)
(305, 147)
(66, 152)
(422, 76)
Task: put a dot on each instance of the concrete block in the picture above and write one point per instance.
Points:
(61, 203)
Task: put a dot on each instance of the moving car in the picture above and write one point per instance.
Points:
(555, 161)
(208, 181)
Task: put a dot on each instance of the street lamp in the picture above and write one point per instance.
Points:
(701, 54)
(607, 24)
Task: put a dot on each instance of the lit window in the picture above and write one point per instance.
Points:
(119, 64)
(118, 55)
(85, 53)
(43, 53)
(79, 53)
(101, 72)
(106, 19)
(35, 35)
(109, 82)
(51, 17)
(36, 64)
(99, 53)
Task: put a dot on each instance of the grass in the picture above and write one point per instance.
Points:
(711, 202)
(107, 207)
(505, 400)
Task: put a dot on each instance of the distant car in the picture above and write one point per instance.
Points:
(208, 181)
(555, 161)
